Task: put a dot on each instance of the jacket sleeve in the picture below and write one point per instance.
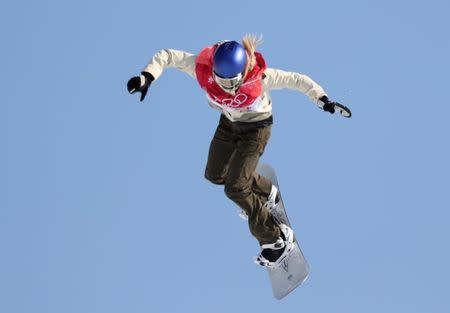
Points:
(165, 58)
(278, 79)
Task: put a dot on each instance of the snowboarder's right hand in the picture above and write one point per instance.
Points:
(140, 83)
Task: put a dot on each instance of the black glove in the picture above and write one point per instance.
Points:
(327, 105)
(140, 83)
(331, 106)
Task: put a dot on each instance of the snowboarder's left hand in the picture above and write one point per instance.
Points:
(331, 106)
(328, 106)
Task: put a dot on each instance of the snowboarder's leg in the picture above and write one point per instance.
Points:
(261, 185)
(248, 189)
(221, 150)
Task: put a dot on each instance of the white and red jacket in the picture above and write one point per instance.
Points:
(251, 102)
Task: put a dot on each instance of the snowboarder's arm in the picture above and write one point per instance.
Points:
(278, 79)
(165, 58)
(181, 60)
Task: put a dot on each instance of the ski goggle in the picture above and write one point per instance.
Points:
(228, 83)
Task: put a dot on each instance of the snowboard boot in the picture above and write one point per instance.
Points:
(270, 205)
(272, 255)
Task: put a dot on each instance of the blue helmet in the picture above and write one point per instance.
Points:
(229, 59)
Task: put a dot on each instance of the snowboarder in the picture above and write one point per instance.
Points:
(237, 83)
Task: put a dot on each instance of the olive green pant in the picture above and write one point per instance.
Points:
(233, 156)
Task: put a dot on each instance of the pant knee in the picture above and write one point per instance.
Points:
(214, 179)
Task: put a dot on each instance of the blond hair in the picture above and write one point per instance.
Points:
(250, 42)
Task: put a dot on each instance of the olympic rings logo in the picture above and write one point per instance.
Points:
(237, 101)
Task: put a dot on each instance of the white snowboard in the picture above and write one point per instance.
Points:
(294, 270)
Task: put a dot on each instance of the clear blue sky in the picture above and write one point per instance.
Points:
(103, 204)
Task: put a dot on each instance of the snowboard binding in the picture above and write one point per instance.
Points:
(273, 255)
(270, 205)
